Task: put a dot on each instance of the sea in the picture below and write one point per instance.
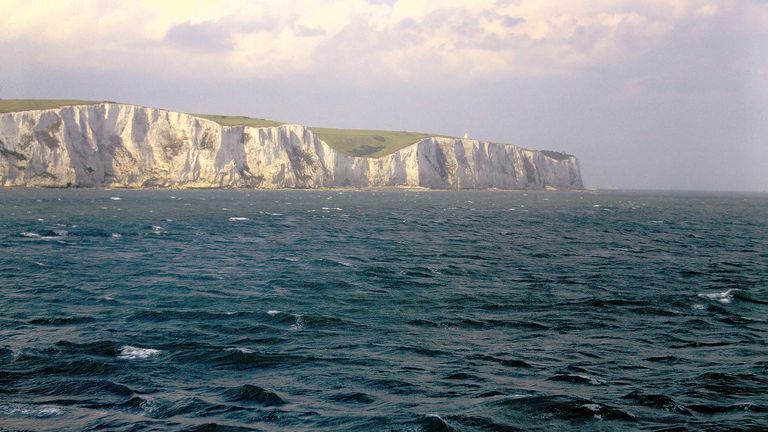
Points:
(391, 310)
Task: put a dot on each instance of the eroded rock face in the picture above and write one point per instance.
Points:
(120, 145)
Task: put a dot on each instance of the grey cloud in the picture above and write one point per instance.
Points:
(205, 36)
(509, 21)
(358, 40)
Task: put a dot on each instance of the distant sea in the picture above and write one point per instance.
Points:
(217, 310)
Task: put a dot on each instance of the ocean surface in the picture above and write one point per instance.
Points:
(382, 311)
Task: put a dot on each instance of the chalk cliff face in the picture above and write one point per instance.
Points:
(120, 145)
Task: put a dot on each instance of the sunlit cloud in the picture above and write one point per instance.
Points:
(407, 39)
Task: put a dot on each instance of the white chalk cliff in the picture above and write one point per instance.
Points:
(119, 145)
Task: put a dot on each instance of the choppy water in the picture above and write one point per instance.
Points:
(412, 311)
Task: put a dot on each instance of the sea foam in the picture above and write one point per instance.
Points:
(128, 352)
(31, 410)
(723, 297)
(240, 350)
(56, 234)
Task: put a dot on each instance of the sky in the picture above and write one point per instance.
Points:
(649, 94)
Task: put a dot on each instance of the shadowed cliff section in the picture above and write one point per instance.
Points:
(120, 145)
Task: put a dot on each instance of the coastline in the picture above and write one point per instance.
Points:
(324, 189)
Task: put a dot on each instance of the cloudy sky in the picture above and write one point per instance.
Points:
(650, 94)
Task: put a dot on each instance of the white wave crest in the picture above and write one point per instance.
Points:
(31, 410)
(128, 352)
(240, 350)
(723, 297)
(234, 219)
(57, 235)
(592, 407)
(299, 322)
(592, 380)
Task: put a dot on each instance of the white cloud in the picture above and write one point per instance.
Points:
(409, 39)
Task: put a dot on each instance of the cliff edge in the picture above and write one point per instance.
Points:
(120, 145)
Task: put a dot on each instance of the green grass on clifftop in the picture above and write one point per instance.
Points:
(556, 155)
(367, 143)
(239, 120)
(353, 142)
(13, 105)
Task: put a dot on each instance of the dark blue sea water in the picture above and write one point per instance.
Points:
(392, 311)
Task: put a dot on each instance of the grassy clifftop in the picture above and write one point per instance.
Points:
(239, 120)
(353, 142)
(367, 143)
(13, 105)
